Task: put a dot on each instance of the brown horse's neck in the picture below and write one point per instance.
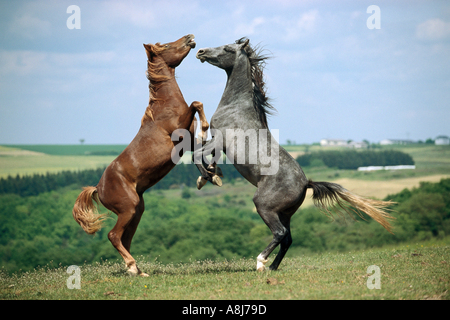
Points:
(162, 87)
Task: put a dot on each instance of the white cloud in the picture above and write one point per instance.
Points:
(433, 29)
(249, 28)
(134, 12)
(22, 63)
(149, 14)
(30, 26)
(30, 62)
(302, 26)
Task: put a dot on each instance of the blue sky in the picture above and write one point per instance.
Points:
(330, 75)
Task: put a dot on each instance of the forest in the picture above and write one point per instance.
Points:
(39, 229)
(352, 159)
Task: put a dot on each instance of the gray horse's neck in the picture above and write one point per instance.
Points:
(239, 88)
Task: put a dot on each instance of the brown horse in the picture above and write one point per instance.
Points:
(147, 159)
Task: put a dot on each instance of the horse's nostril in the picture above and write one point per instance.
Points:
(201, 51)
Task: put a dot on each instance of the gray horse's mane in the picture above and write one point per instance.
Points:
(260, 100)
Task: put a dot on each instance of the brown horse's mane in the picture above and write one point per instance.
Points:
(260, 99)
(156, 78)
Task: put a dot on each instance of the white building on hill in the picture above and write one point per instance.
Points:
(442, 140)
(333, 142)
(342, 143)
(395, 141)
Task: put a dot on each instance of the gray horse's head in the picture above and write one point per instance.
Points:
(223, 57)
(228, 57)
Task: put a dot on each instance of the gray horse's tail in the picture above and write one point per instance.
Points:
(329, 197)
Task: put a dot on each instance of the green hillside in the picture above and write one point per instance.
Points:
(207, 224)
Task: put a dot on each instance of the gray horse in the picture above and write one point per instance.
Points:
(239, 128)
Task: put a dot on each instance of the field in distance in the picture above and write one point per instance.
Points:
(432, 164)
(39, 159)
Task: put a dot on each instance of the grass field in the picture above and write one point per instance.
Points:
(71, 150)
(429, 160)
(29, 159)
(14, 161)
(414, 271)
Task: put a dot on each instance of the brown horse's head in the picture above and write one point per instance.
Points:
(173, 52)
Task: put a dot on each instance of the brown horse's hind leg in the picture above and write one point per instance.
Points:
(130, 230)
(128, 234)
(128, 216)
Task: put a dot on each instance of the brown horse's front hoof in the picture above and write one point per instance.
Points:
(201, 182)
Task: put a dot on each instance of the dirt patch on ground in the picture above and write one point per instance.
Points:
(296, 154)
(381, 189)
(378, 189)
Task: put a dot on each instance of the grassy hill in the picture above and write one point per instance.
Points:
(415, 271)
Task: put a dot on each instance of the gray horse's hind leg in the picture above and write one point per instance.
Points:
(279, 233)
(271, 217)
(284, 247)
(277, 216)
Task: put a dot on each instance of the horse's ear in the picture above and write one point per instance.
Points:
(245, 43)
(149, 50)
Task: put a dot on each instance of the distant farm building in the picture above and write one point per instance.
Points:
(442, 140)
(333, 142)
(358, 145)
(386, 142)
(342, 143)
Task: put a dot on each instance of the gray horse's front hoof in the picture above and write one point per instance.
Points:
(217, 181)
(219, 171)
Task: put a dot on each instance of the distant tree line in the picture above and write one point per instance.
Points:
(40, 183)
(352, 159)
(181, 175)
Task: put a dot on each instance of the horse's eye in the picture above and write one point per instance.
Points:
(228, 49)
(166, 46)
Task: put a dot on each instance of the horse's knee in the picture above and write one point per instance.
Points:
(197, 105)
(280, 234)
(114, 238)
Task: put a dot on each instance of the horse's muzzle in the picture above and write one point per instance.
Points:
(200, 54)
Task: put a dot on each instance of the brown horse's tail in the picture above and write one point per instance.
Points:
(85, 212)
(327, 195)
